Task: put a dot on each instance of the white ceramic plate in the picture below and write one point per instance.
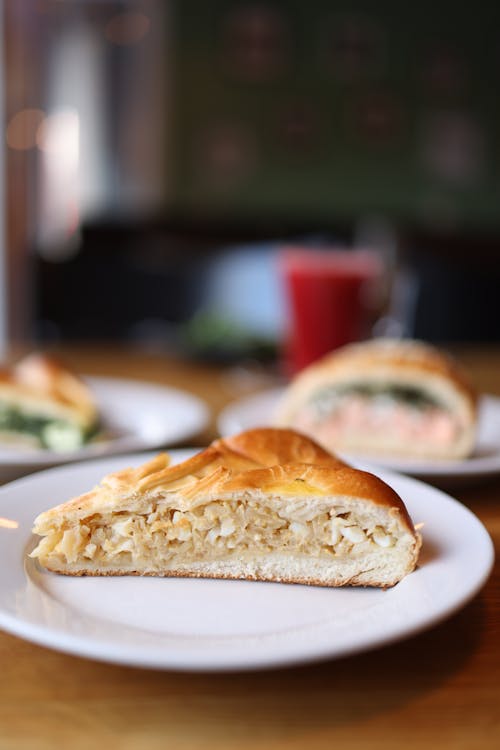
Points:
(257, 410)
(138, 415)
(190, 624)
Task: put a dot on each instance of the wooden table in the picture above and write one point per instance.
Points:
(437, 690)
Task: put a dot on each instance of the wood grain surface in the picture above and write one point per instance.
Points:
(440, 689)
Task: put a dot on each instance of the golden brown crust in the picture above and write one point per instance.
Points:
(249, 450)
(274, 446)
(343, 481)
(398, 356)
(48, 376)
(253, 449)
(41, 382)
(6, 376)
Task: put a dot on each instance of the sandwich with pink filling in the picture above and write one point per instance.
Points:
(385, 397)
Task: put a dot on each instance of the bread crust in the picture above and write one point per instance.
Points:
(252, 449)
(39, 383)
(297, 580)
(272, 447)
(411, 363)
(345, 481)
(398, 357)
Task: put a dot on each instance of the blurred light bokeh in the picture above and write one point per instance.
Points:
(160, 152)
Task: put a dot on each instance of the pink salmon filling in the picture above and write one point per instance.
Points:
(355, 415)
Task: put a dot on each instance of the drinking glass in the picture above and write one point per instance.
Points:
(332, 298)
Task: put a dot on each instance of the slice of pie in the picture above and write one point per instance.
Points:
(43, 404)
(267, 505)
(385, 397)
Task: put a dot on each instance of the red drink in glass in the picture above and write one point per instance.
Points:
(329, 300)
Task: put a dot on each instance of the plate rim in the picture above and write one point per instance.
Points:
(60, 640)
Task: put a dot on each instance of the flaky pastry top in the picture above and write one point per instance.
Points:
(242, 464)
(42, 381)
(394, 358)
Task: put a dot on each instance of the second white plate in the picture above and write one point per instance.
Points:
(190, 624)
(138, 415)
(257, 410)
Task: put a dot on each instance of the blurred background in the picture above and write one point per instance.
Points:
(158, 154)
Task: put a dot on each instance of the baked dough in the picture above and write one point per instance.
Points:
(232, 512)
(385, 397)
(45, 404)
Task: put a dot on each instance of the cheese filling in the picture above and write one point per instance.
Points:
(220, 529)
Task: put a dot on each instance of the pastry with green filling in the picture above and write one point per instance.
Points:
(45, 405)
(385, 397)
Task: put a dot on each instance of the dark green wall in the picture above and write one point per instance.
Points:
(327, 110)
